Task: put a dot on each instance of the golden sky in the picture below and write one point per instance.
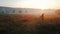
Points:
(39, 4)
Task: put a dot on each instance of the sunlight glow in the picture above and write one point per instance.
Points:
(39, 4)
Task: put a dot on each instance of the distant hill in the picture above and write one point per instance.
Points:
(9, 10)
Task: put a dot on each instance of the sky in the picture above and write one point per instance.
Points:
(39, 4)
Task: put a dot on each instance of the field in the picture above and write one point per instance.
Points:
(29, 24)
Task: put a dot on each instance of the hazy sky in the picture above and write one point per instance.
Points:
(41, 4)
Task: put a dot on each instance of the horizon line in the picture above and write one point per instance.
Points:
(28, 8)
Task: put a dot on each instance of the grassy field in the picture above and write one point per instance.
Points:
(28, 24)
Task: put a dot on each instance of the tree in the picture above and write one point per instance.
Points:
(13, 11)
(20, 11)
(7, 11)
